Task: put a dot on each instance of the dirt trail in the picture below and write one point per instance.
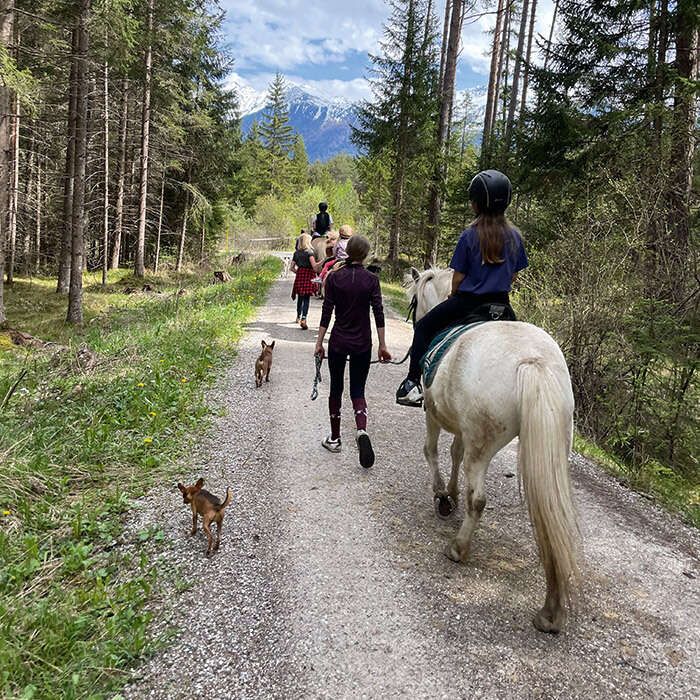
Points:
(331, 580)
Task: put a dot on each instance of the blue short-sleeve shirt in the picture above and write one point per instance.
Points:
(483, 278)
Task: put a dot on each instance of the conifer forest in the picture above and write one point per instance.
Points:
(135, 162)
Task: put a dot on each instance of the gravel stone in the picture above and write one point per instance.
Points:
(331, 582)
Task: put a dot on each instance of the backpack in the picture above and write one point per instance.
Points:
(323, 222)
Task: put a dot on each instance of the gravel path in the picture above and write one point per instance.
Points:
(330, 581)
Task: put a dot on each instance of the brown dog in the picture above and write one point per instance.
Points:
(264, 363)
(208, 506)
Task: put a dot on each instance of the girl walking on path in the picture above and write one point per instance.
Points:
(488, 256)
(304, 265)
(350, 291)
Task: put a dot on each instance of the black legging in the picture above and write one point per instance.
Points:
(359, 369)
(449, 313)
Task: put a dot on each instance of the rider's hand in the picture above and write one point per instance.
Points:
(319, 350)
(384, 354)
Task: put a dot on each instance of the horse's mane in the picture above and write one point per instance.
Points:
(413, 284)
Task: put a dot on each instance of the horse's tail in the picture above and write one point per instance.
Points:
(545, 443)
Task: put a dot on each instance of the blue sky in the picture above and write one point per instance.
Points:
(324, 43)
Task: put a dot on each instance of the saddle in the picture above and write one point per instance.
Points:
(443, 341)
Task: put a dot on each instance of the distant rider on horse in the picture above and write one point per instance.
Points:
(485, 262)
(322, 222)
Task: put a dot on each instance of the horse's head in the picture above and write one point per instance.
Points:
(429, 288)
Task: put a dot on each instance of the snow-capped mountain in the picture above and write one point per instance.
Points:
(325, 122)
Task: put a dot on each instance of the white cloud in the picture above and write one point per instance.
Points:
(286, 34)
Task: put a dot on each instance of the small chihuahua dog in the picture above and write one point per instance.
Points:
(209, 507)
(264, 363)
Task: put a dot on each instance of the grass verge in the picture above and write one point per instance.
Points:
(395, 295)
(76, 442)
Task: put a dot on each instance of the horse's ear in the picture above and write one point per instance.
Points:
(272, 345)
(263, 343)
(415, 274)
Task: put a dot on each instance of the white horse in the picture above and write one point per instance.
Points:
(498, 381)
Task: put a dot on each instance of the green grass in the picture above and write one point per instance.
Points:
(76, 444)
(654, 479)
(395, 295)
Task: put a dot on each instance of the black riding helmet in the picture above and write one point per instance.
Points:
(322, 206)
(491, 190)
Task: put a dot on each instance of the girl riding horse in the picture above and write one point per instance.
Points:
(488, 256)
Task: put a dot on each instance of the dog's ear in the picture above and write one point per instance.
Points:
(272, 345)
(181, 487)
(199, 484)
(415, 274)
(263, 343)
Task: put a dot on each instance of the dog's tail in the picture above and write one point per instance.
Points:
(227, 500)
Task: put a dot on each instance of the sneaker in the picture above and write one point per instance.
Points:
(332, 445)
(298, 320)
(303, 324)
(364, 445)
(409, 393)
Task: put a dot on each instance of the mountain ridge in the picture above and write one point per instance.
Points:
(325, 123)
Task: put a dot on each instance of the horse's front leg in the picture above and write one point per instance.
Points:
(475, 500)
(444, 504)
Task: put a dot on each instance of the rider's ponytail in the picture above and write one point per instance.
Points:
(495, 232)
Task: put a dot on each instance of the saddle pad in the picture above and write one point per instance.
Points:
(439, 347)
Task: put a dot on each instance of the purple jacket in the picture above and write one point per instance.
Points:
(351, 290)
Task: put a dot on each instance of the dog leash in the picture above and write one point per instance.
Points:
(317, 379)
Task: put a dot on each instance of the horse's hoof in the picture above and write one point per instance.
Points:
(452, 552)
(444, 506)
(545, 624)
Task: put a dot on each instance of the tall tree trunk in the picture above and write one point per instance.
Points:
(64, 259)
(683, 144)
(492, 92)
(75, 292)
(105, 185)
(446, 101)
(528, 57)
(121, 176)
(506, 67)
(139, 266)
(7, 17)
(14, 193)
(29, 211)
(551, 34)
(201, 241)
(443, 45)
(183, 234)
(399, 178)
(515, 86)
(39, 212)
(160, 224)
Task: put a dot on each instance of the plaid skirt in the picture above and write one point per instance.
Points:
(302, 283)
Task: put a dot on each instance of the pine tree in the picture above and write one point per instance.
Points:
(399, 123)
(277, 135)
(300, 164)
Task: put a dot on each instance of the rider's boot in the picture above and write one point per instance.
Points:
(410, 393)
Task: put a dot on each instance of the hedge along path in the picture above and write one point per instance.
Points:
(331, 581)
(76, 443)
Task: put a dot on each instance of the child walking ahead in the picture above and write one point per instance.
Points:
(350, 291)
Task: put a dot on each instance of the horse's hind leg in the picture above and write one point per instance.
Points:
(457, 454)
(475, 502)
